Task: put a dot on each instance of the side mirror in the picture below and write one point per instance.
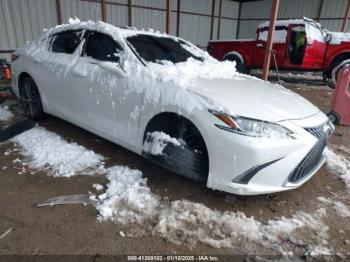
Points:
(328, 38)
(114, 67)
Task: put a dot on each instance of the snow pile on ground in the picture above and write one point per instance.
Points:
(98, 187)
(339, 207)
(129, 201)
(157, 141)
(339, 164)
(5, 113)
(47, 150)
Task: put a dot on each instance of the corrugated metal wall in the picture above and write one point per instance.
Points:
(23, 20)
(254, 13)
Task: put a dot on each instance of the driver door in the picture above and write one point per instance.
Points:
(100, 88)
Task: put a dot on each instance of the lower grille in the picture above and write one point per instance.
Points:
(316, 131)
(313, 158)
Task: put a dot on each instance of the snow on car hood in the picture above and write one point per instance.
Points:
(254, 98)
(238, 94)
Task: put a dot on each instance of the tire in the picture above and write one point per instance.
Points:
(190, 160)
(240, 66)
(334, 117)
(30, 99)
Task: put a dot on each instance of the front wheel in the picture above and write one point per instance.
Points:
(30, 99)
(183, 151)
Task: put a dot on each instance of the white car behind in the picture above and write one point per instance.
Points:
(163, 98)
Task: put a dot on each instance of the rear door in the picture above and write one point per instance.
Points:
(63, 53)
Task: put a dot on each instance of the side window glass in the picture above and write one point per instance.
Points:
(66, 42)
(279, 37)
(102, 47)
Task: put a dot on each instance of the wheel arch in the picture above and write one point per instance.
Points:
(161, 119)
(157, 121)
(232, 54)
(344, 55)
(20, 79)
(21, 76)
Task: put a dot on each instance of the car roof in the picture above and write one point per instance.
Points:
(285, 23)
(103, 27)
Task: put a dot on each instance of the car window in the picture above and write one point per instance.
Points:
(279, 35)
(66, 42)
(102, 47)
(156, 49)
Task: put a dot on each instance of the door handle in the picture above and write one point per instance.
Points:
(259, 45)
(37, 62)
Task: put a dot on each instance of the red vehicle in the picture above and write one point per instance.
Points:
(300, 44)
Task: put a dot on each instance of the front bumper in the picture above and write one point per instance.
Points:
(252, 166)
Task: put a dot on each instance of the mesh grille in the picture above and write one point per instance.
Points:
(312, 159)
(317, 131)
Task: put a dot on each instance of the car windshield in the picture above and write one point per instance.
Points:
(315, 29)
(160, 50)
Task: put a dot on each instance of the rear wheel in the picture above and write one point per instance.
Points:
(190, 159)
(240, 66)
(30, 98)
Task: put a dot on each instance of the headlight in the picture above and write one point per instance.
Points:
(252, 127)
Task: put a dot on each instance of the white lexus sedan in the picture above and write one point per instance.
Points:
(165, 99)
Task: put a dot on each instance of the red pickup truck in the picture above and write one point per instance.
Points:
(300, 44)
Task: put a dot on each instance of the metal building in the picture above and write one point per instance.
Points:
(195, 20)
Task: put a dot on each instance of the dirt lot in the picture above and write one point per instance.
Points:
(74, 229)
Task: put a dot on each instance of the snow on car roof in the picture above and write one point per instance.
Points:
(314, 30)
(283, 23)
(292, 22)
(102, 27)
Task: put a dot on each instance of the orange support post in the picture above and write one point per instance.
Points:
(59, 11)
(103, 10)
(272, 24)
(168, 16)
(345, 17)
(129, 13)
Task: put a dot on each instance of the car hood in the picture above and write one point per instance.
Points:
(254, 98)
